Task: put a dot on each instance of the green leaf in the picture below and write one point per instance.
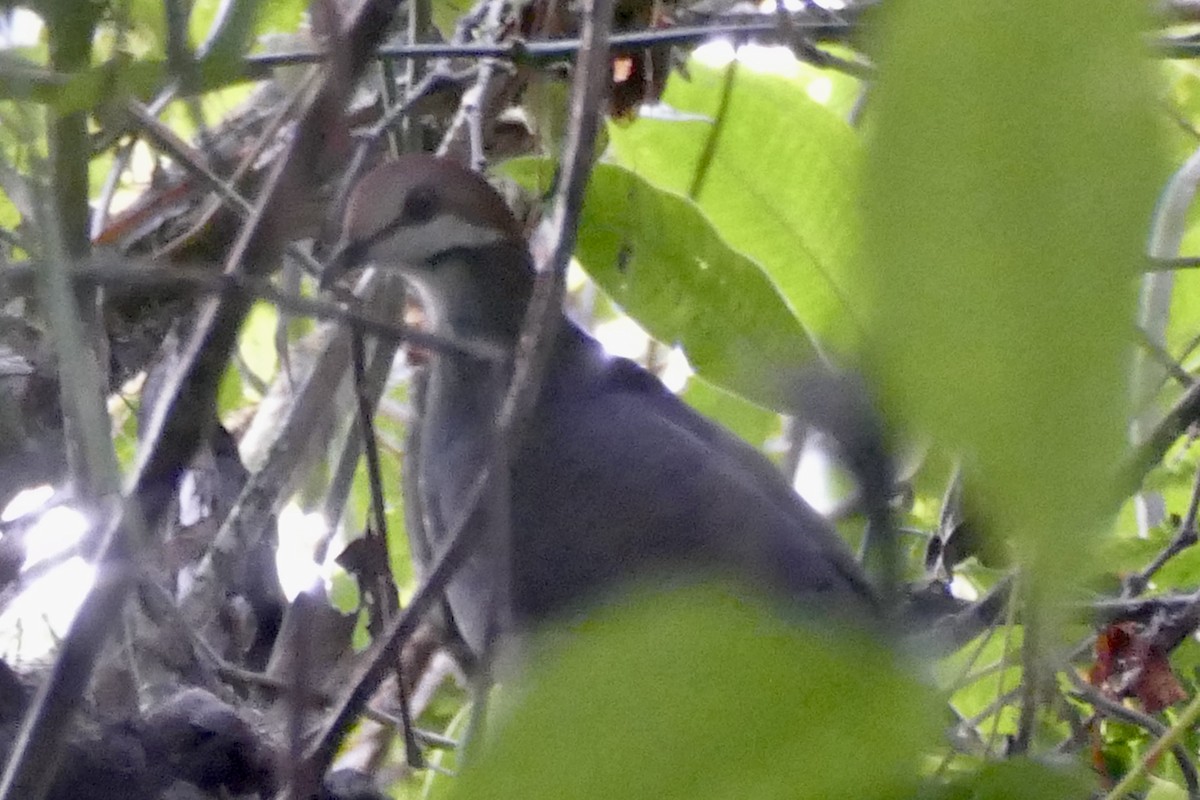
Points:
(1010, 178)
(359, 515)
(1018, 777)
(753, 423)
(256, 344)
(281, 16)
(701, 693)
(145, 23)
(230, 30)
(978, 685)
(344, 595)
(781, 187)
(446, 14)
(1165, 790)
(659, 259)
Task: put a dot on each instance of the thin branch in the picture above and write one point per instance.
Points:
(383, 591)
(365, 408)
(1032, 677)
(375, 663)
(351, 450)
(1185, 537)
(104, 270)
(187, 157)
(31, 81)
(1156, 444)
(534, 53)
(991, 710)
(420, 21)
(108, 191)
(79, 335)
(1170, 366)
(1173, 263)
(1139, 609)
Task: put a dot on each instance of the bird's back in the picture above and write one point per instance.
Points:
(617, 477)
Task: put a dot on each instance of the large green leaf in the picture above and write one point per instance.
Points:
(228, 29)
(702, 693)
(781, 185)
(661, 261)
(1011, 173)
(752, 422)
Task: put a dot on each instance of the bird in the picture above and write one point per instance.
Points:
(614, 479)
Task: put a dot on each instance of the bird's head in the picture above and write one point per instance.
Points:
(449, 233)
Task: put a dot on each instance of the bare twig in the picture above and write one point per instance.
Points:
(487, 92)
(126, 273)
(79, 336)
(339, 485)
(765, 29)
(365, 407)
(1105, 612)
(377, 660)
(1033, 678)
(383, 591)
(420, 21)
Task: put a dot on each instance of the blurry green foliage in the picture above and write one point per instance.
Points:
(704, 692)
(1011, 174)
(1022, 778)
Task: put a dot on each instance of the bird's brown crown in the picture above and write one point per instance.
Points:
(427, 202)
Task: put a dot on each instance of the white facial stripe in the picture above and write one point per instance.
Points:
(417, 244)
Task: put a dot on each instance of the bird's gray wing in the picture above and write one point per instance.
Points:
(617, 476)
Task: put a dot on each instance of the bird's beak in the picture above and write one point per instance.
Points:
(347, 256)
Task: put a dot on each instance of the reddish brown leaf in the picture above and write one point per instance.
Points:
(1129, 664)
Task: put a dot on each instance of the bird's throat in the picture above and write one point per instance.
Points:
(478, 293)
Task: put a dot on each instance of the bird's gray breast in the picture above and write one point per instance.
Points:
(457, 432)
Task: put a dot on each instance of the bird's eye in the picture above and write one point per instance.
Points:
(419, 206)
